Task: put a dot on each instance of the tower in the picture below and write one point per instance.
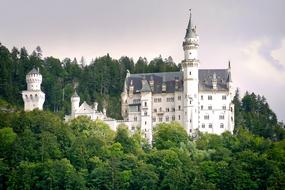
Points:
(146, 110)
(124, 98)
(33, 97)
(75, 100)
(190, 66)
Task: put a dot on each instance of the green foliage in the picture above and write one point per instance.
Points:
(169, 136)
(39, 151)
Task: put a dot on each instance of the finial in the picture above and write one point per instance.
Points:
(229, 65)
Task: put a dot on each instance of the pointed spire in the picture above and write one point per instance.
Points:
(229, 65)
(229, 79)
(190, 31)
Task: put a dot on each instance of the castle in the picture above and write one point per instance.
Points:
(199, 99)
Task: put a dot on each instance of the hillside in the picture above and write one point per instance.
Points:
(39, 151)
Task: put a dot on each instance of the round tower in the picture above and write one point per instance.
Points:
(33, 97)
(190, 66)
(34, 80)
(75, 100)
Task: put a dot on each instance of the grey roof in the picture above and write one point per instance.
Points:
(170, 78)
(145, 86)
(190, 31)
(174, 81)
(33, 71)
(206, 77)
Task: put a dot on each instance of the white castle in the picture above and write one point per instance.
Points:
(33, 97)
(198, 99)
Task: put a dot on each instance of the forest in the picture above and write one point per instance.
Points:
(40, 151)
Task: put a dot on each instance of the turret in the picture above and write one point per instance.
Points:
(190, 66)
(229, 80)
(33, 97)
(75, 100)
(214, 81)
(34, 80)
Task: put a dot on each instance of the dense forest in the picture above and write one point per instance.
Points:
(102, 80)
(39, 151)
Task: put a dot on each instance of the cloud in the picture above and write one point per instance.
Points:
(279, 54)
(259, 67)
(258, 74)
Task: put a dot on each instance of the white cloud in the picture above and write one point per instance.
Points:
(279, 54)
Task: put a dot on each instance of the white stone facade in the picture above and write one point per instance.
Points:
(33, 97)
(199, 99)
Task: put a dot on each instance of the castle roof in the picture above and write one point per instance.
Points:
(174, 81)
(34, 71)
(190, 31)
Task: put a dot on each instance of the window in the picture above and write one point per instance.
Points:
(133, 128)
(160, 109)
(178, 117)
(155, 110)
(224, 97)
(221, 125)
(210, 125)
(173, 109)
(167, 118)
(190, 71)
(206, 117)
(136, 101)
(224, 107)
(209, 107)
(145, 113)
(157, 100)
(203, 125)
(210, 97)
(202, 107)
(145, 122)
(201, 97)
(179, 97)
(167, 109)
(173, 118)
(171, 99)
(160, 119)
(154, 119)
(135, 118)
(145, 103)
(221, 117)
(179, 107)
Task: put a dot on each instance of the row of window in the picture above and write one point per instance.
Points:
(207, 117)
(166, 109)
(211, 125)
(210, 97)
(210, 107)
(167, 118)
(169, 99)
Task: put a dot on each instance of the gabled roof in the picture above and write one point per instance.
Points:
(85, 108)
(174, 81)
(206, 76)
(170, 78)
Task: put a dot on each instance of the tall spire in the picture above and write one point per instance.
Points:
(190, 31)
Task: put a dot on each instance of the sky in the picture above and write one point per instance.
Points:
(251, 34)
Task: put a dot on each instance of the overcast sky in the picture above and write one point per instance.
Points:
(249, 33)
